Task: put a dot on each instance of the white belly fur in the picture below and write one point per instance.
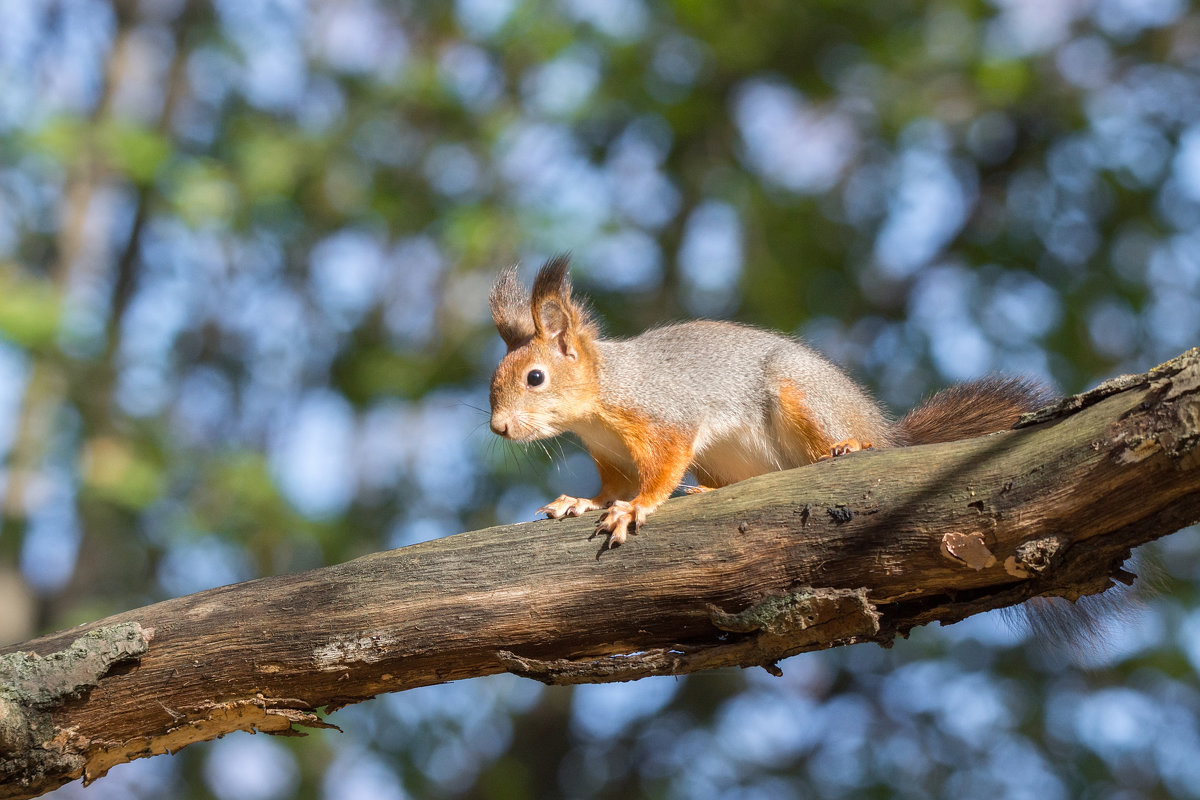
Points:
(738, 455)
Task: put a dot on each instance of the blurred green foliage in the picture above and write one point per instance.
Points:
(29, 308)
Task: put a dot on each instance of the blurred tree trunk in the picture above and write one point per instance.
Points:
(86, 254)
(102, 567)
(859, 549)
(48, 384)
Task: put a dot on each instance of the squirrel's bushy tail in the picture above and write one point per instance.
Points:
(973, 409)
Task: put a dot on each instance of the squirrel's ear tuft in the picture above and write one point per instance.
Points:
(551, 299)
(552, 280)
(510, 309)
(555, 314)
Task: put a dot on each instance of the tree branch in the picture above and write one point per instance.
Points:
(860, 548)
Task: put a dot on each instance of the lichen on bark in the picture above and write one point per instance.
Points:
(31, 686)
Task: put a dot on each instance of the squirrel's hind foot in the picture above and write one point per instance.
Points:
(845, 446)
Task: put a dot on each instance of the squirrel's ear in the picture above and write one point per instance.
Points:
(554, 315)
(510, 309)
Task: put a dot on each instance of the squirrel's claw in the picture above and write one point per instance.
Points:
(567, 506)
(621, 519)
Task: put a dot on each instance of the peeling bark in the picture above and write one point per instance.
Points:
(860, 548)
(31, 746)
(201, 723)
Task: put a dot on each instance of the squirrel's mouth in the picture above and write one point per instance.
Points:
(520, 429)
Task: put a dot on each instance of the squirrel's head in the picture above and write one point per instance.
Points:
(547, 380)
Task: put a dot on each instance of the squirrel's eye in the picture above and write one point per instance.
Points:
(535, 377)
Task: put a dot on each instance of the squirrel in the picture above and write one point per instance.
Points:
(724, 400)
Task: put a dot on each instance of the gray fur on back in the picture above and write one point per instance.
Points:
(733, 372)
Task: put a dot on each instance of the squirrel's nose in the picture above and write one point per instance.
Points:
(499, 427)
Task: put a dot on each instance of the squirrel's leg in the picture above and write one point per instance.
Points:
(614, 483)
(662, 458)
(801, 436)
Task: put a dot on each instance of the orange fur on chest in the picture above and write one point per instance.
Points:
(660, 453)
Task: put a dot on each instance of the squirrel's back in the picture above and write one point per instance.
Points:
(730, 375)
(726, 371)
(671, 371)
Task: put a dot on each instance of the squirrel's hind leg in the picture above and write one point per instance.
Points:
(802, 438)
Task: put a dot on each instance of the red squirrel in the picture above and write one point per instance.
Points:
(724, 400)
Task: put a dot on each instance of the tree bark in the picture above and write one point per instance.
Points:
(858, 549)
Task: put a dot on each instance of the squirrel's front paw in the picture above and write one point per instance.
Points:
(621, 519)
(567, 506)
